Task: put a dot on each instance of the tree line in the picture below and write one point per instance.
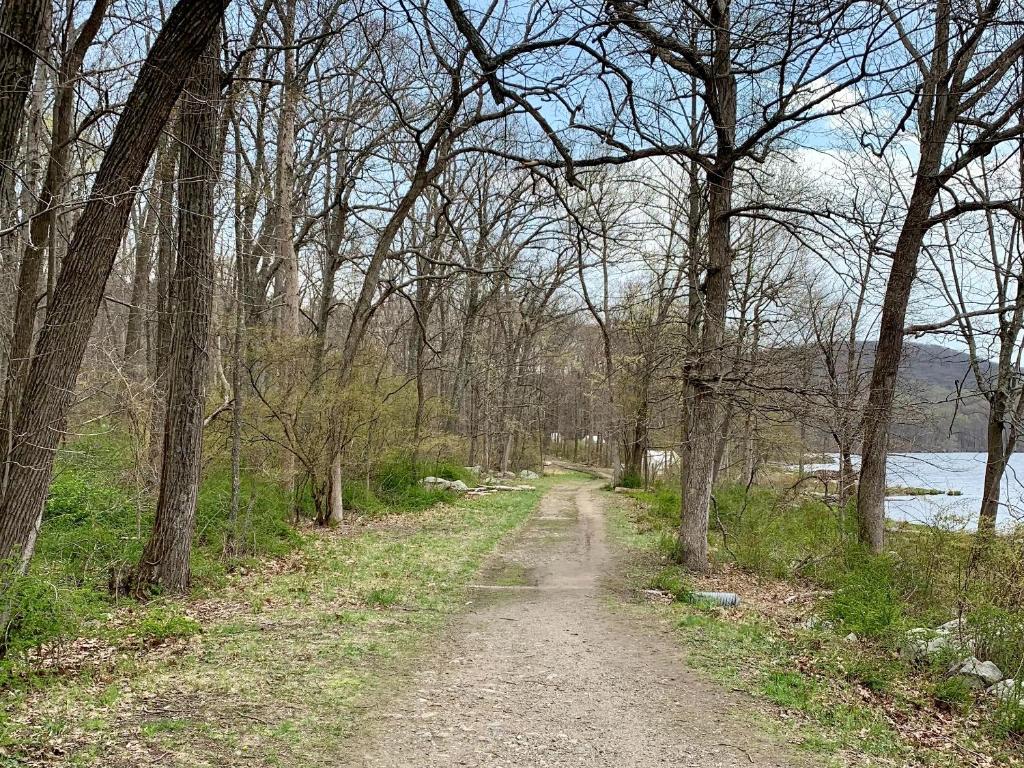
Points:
(317, 232)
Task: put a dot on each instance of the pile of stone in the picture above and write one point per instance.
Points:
(486, 486)
(441, 484)
(952, 637)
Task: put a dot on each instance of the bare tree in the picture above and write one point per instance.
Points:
(49, 387)
(965, 101)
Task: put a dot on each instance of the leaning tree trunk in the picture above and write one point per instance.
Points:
(21, 22)
(50, 385)
(165, 560)
(41, 227)
(878, 413)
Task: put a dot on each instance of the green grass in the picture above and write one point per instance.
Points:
(835, 697)
(286, 657)
(98, 516)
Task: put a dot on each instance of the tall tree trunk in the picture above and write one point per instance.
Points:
(20, 24)
(135, 326)
(165, 559)
(50, 386)
(995, 467)
(705, 410)
(163, 299)
(289, 269)
(41, 228)
(878, 413)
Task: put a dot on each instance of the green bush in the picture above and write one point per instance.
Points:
(162, 622)
(264, 525)
(999, 635)
(865, 600)
(632, 480)
(41, 611)
(1009, 719)
(394, 486)
(670, 579)
(953, 694)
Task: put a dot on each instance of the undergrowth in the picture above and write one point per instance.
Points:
(98, 516)
(929, 575)
(280, 671)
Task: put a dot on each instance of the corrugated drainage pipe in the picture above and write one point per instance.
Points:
(728, 599)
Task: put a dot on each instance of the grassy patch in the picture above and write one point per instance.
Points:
(273, 666)
(855, 701)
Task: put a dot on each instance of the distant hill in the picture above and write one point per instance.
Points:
(939, 408)
(936, 366)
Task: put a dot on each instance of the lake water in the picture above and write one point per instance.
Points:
(964, 472)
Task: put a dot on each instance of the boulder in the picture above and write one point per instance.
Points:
(921, 642)
(529, 474)
(956, 628)
(444, 485)
(477, 470)
(1006, 690)
(852, 638)
(977, 674)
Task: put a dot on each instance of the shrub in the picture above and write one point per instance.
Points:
(162, 622)
(999, 635)
(41, 611)
(671, 580)
(866, 601)
(1009, 719)
(632, 480)
(952, 694)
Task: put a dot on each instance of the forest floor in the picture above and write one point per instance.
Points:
(431, 639)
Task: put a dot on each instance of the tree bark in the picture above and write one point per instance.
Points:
(705, 410)
(20, 24)
(135, 326)
(162, 299)
(165, 560)
(49, 389)
(41, 229)
(878, 413)
(1000, 448)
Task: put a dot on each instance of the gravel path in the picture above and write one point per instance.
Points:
(541, 672)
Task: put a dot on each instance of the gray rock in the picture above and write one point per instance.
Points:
(852, 638)
(477, 470)
(922, 642)
(458, 485)
(977, 674)
(436, 482)
(1006, 690)
(951, 627)
(529, 474)
(814, 622)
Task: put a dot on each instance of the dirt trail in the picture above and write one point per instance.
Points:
(541, 672)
